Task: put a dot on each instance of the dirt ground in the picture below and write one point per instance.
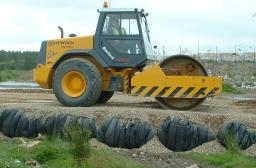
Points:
(212, 113)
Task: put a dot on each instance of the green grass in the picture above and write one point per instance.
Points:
(232, 158)
(226, 160)
(106, 159)
(15, 75)
(53, 153)
(230, 89)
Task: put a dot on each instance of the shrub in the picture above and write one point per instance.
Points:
(79, 142)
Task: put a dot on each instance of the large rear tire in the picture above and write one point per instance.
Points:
(104, 97)
(77, 82)
(181, 65)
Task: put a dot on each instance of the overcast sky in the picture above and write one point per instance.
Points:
(25, 23)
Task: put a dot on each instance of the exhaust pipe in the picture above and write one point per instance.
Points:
(61, 32)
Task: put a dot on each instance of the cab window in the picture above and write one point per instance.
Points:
(120, 24)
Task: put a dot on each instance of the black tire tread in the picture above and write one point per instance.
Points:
(93, 91)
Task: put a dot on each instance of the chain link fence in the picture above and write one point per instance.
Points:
(237, 53)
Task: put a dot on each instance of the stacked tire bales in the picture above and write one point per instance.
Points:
(237, 132)
(14, 123)
(180, 135)
(132, 134)
(174, 133)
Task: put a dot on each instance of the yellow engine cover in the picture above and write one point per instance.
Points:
(153, 82)
(55, 50)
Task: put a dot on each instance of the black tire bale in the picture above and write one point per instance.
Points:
(162, 132)
(149, 132)
(144, 131)
(4, 116)
(181, 135)
(112, 133)
(22, 127)
(14, 123)
(9, 123)
(181, 132)
(236, 131)
(193, 138)
(210, 136)
(129, 135)
(132, 135)
(40, 125)
(137, 133)
(32, 127)
(103, 129)
(122, 137)
(58, 128)
(88, 125)
(71, 121)
(49, 125)
(92, 125)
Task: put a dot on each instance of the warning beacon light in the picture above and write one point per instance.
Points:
(106, 4)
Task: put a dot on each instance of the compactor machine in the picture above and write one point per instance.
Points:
(87, 70)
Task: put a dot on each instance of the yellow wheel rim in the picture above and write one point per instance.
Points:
(74, 84)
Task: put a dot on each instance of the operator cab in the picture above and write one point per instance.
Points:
(122, 38)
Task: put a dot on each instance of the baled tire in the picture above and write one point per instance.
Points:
(10, 123)
(238, 132)
(129, 135)
(7, 122)
(87, 124)
(22, 127)
(3, 117)
(32, 131)
(40, 125)
(58, 128)
(104, 97)
(14, 124)
(93, 82)
(180, 135)
(57, 125)
(108, 132)
(49, 125)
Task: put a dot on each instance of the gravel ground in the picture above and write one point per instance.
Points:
(212, 147)
(251, 151)
(152, 153)
(212, 113)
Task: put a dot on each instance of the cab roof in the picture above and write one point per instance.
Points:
(120, 10)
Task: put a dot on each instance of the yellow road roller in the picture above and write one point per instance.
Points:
(87, 70)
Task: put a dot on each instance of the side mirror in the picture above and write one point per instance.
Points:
(155, 47)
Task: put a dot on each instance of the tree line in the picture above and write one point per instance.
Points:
(17, 60)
